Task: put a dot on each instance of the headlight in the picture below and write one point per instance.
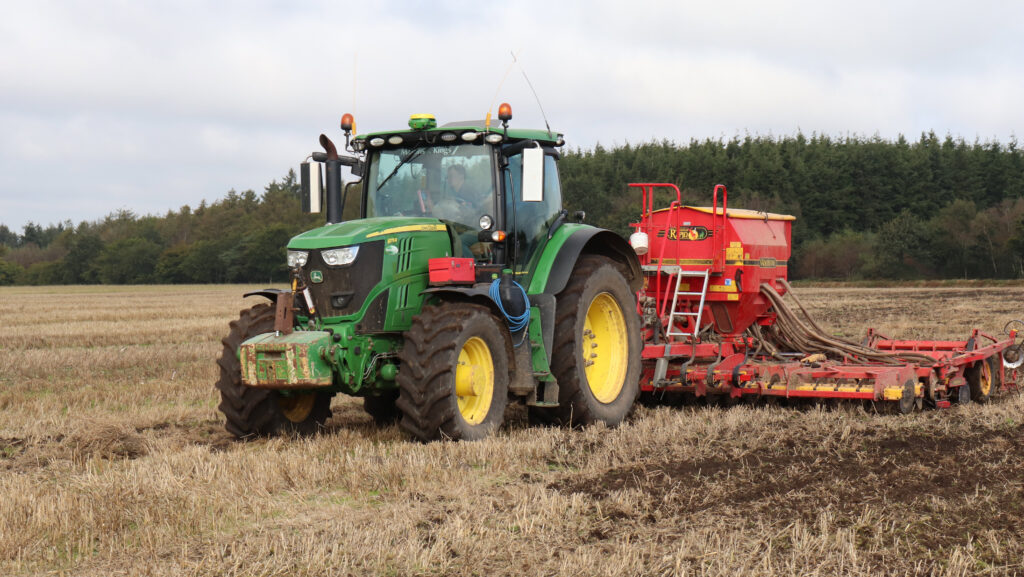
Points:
(486, 222)
(297, 258)
(340, 256)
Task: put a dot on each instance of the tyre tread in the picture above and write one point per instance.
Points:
(249, 411)
(426, 371)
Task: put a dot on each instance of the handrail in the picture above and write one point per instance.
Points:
(647, 226)
(648, 194)
(718, 240)
(672, 211)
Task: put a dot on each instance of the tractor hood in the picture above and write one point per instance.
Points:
(358, 231)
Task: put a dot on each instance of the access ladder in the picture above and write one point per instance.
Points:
(661, 364)
(674, 313)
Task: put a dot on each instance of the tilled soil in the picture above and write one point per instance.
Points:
(912, 491)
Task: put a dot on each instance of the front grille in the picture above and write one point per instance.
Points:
(404, 254)
(345, 288)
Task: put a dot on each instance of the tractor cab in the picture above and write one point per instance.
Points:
(497, 190)
(454, 184)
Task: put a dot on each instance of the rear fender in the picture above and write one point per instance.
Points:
(566, 247)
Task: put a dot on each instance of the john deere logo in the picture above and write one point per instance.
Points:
(316, 276)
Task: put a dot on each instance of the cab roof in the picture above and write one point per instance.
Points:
(553, 138)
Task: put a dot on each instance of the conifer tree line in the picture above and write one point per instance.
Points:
(866, 208)
(239, 238)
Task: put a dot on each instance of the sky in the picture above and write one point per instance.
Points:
(149, 106)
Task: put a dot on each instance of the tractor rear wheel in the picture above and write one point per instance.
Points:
(980, 380)
(596, 356)
(249, 411)
(453, 375)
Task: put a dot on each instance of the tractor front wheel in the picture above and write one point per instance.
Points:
(453, 375)
(249, 411)
(596, 357)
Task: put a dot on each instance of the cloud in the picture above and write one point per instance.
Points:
(148, 106)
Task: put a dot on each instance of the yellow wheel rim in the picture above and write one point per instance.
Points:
(296, 408)
(985, 378)
(474, 380)
(605, 348)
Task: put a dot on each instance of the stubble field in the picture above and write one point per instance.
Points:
(114, 461)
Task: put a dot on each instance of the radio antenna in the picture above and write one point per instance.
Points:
(355, 77)
(537, 98)
(487, 123)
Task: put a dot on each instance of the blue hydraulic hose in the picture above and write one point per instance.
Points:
(515, 323)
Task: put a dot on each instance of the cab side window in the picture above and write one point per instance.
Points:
(529, 220)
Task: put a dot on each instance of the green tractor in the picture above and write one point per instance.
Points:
(461, 286)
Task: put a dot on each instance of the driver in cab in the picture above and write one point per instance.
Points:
(463, 205)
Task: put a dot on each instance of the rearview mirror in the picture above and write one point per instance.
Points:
(533, 174)
(311, 183)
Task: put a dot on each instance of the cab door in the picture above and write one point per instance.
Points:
(533, 202)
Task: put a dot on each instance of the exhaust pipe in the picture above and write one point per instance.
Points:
(333, 180)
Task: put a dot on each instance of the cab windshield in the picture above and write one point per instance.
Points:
(453, 183)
